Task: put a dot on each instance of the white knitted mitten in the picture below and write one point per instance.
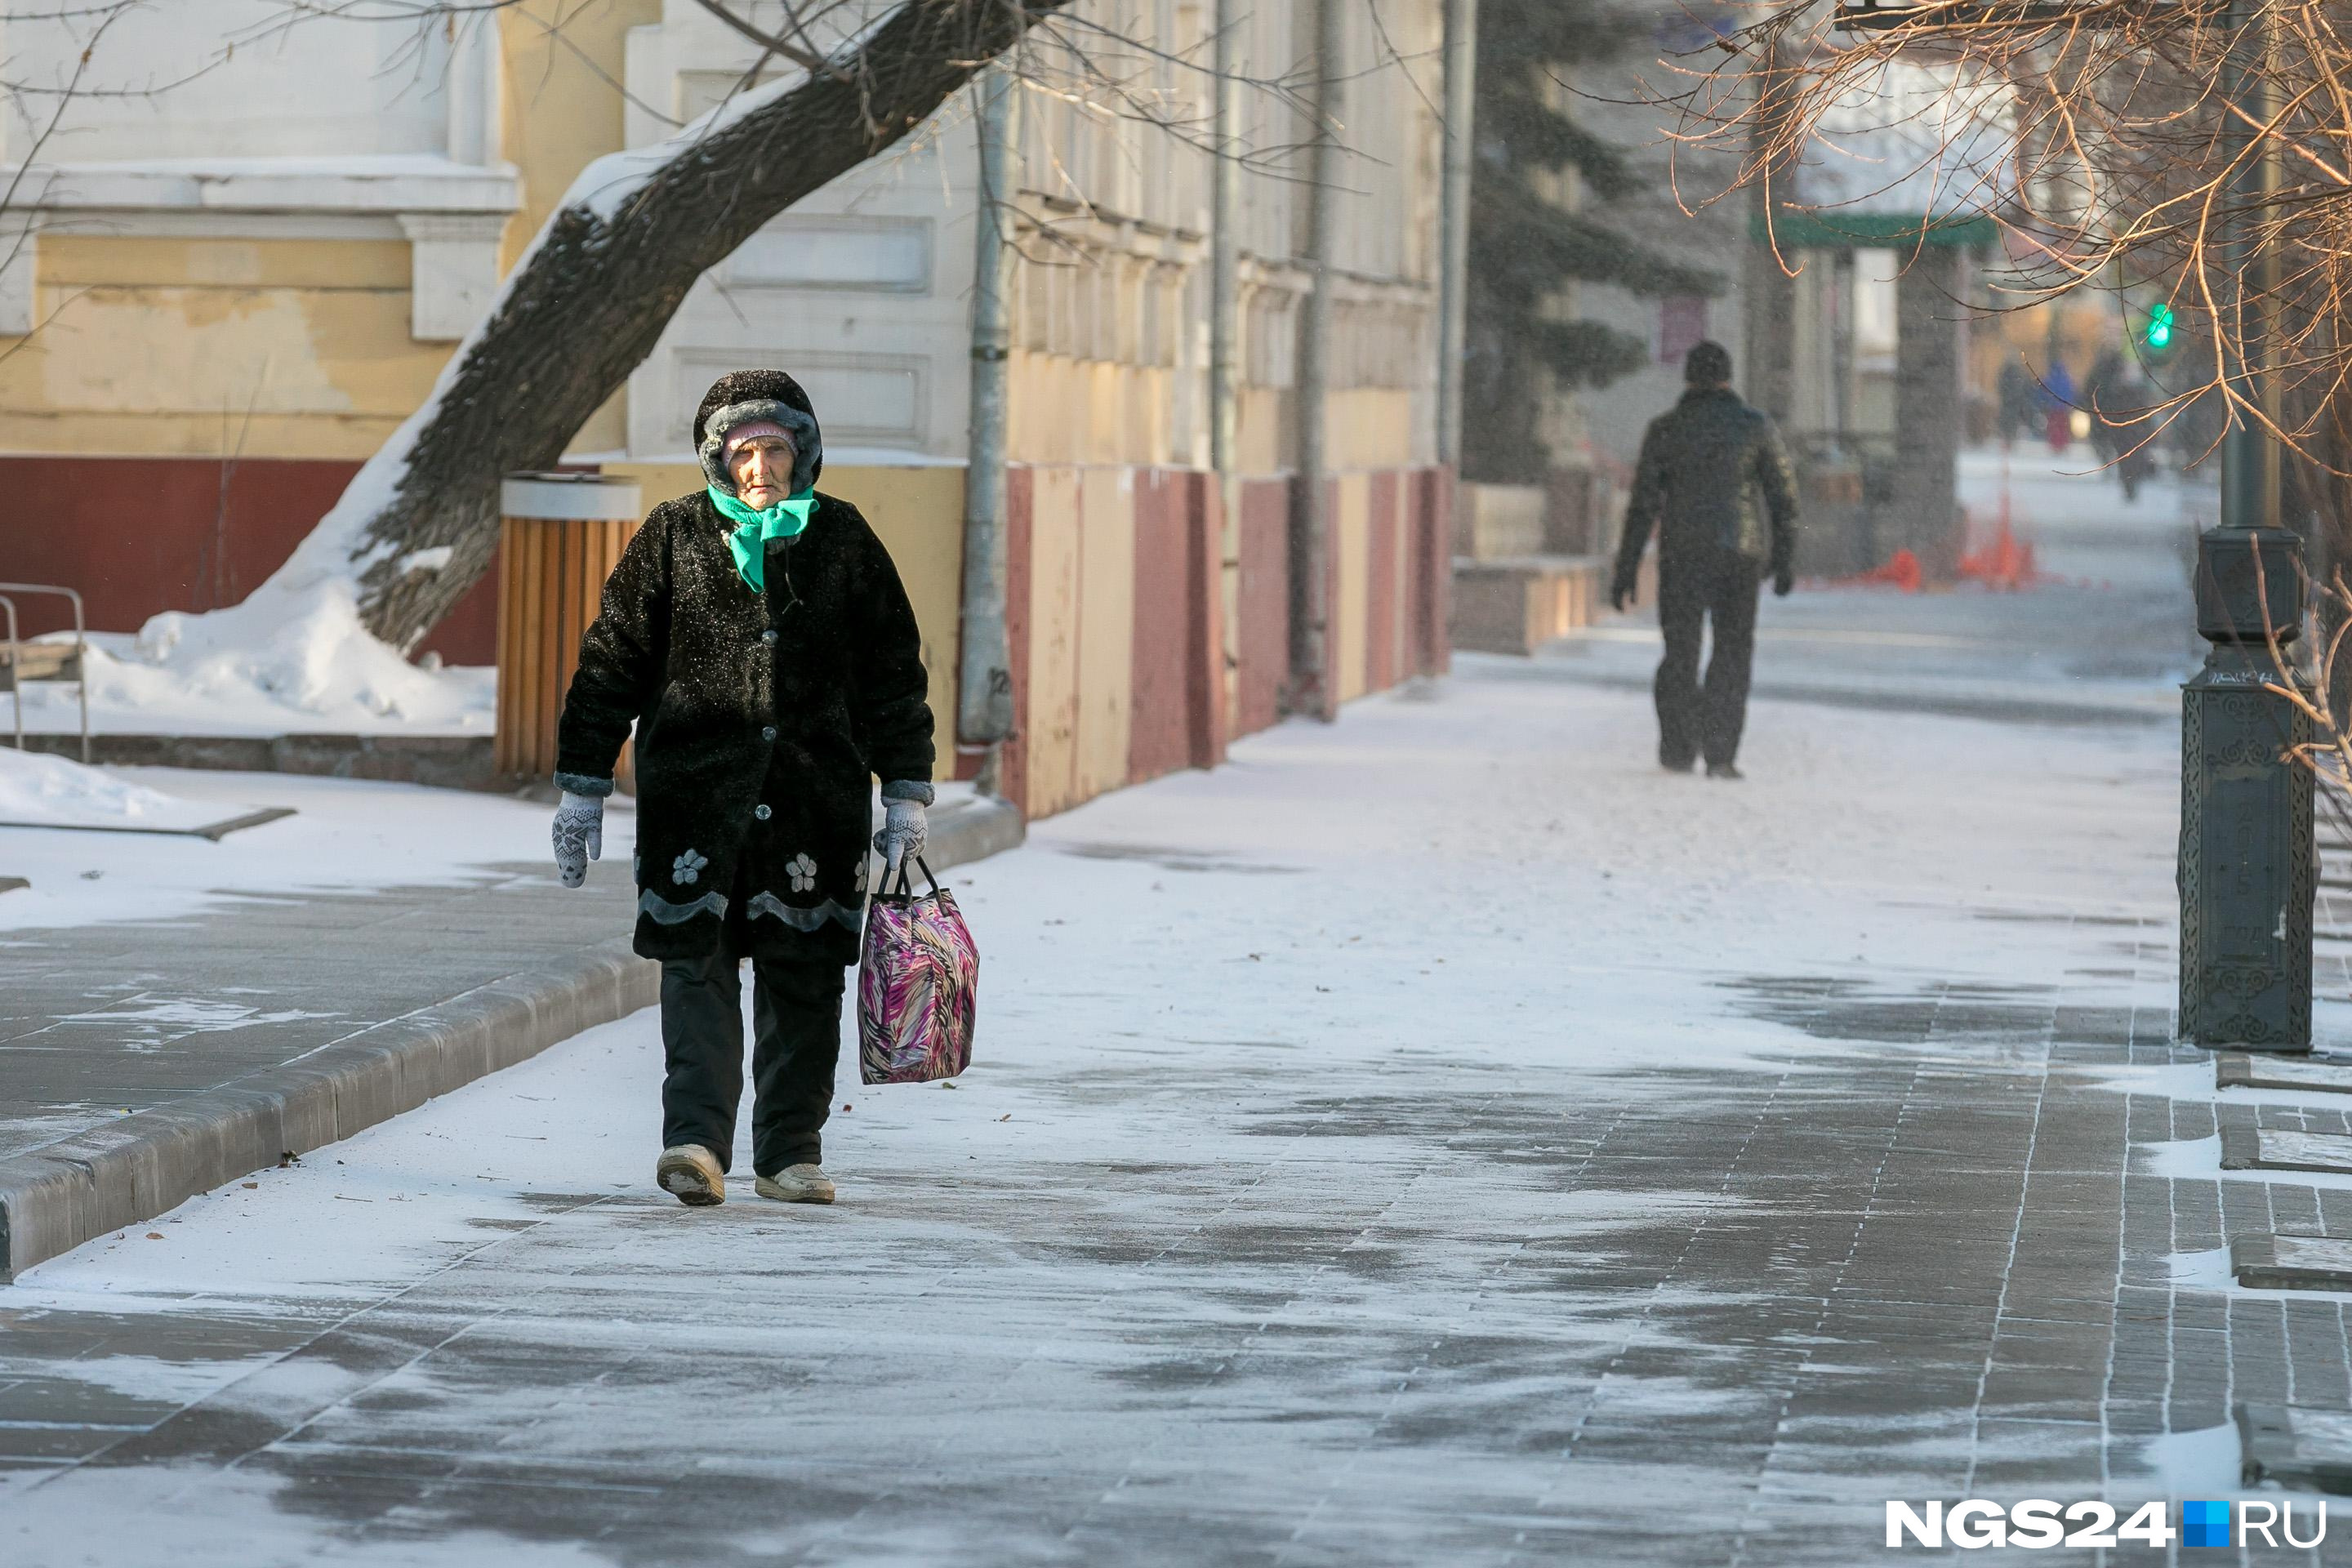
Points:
(579, 836)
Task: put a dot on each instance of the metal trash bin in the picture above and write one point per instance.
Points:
(560, 537)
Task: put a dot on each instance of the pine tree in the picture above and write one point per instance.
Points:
(1525, 246)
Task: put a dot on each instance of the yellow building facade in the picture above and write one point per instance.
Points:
(218, 299)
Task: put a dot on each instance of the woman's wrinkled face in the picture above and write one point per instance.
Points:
(761, 468)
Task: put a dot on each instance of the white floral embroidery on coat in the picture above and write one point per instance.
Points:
(803, 871)
(688, 867)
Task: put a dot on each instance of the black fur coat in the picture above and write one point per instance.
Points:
(761, 723)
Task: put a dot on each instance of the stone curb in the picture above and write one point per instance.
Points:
(2295, 1448)
(2285, 1262)
(2317, 1075)
(445, 761)
(133, 1169)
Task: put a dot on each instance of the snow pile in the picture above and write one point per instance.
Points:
(281, 663)
(50, 792)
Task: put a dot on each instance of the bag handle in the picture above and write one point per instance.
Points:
(906, 888)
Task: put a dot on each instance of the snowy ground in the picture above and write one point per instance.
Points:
(1436, 1138)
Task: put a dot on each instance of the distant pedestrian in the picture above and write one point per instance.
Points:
(2058, 399)
(2019, 410)
(757, 635)
(1713, 482)
(2102, 398)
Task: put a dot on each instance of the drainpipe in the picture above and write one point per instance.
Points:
(984, 696)
(1460, 60)
(1225, 330)
(1311, 689)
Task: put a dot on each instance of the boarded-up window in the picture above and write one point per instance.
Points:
(1681, 322)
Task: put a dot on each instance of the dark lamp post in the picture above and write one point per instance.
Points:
(2247, 869)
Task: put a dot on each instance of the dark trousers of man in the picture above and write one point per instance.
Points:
(796, 1026)
(1695, 719)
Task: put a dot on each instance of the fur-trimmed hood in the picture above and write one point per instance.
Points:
(743, 396)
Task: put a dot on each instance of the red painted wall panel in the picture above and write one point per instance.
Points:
(469, 633)
(1436, 490)
(1329, 611)
(1205, 607)
(1381, 631)
(140, 535)
(1020, 501)
(1412, 597)
(1161, 687)
(1263, 637)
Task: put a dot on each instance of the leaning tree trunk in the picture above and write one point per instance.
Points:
(419, 523)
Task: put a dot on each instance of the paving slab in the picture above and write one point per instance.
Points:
(2270, 1261)
(2242, 1070)
(2284, 1149)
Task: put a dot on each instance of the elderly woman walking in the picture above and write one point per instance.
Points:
(758, 636)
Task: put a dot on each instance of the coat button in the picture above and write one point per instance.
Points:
(768, 734)
(769, 636)
(763, 813)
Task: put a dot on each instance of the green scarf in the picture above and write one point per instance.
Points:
(753, 528)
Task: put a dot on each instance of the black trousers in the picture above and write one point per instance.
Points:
(1698, 718)
(796, 1021)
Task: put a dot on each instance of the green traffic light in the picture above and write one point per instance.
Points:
(2160, 326)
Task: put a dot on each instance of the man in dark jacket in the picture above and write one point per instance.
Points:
(757, 635)
(1713, 480)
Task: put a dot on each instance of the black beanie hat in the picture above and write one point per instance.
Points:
(1708, 363)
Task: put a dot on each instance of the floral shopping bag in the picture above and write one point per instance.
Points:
(916, 985)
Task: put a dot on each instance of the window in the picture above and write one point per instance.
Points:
(1681, 322)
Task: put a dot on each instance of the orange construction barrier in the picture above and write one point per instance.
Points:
(1901, 571)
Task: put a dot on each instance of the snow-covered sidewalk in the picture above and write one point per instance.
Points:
(138, 970)
(1437, 1137)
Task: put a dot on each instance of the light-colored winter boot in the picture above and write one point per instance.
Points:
(796, 1184)
(691, 1172)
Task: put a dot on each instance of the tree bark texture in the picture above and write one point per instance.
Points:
(594, 295)
(1927, 409)
(1768, 293)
